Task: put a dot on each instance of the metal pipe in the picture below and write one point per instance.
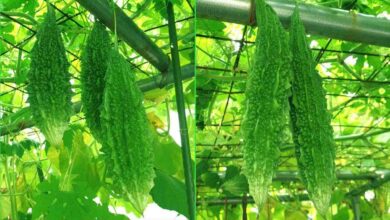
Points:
(375, 183)
(356, 207)
(378, 178)
(318, 20)
(162, 80)
(249, 199)
(185, 143)
(128, 31)
(379, 175)
(158, 81)
(287, 176)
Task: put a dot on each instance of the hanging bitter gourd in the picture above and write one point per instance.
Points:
(94, 61)
(127, 133)
(266, 113)
(49, 88)
(312, 132)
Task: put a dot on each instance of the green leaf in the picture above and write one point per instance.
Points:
(170, 193)
(374, 61)
(211, 180)
(7, 28)
(210, 26)
(17, 148)
(9, 38)
(52, 204)
(359, 63)
(30, 6)
(23, 114)
(12, 4)
(177, 2)
(2, 48)
(232, 171)
(337, 197)
(21, 76)
(167, 156)
(296, 215)
(342, 214)
(5, 207)
(279, 211)
(236, 185)
(202, 167)
(82, 172)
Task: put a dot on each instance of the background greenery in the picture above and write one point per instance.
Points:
(356, 77)
(357, 80)
(30, 186)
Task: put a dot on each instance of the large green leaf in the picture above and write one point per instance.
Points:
(167, 156)
(11, 4)
(170, 193)
(342, 214)
(51, 203)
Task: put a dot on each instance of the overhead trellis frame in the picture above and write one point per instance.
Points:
(318, 20)
(128, 31)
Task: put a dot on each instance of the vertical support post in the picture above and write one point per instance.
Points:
(185, 144)
(355, 207)
(244, 206)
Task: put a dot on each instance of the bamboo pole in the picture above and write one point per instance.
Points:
(318, 20)
(185, 144)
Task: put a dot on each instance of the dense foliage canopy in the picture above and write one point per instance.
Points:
(36, 180)
(356, 80)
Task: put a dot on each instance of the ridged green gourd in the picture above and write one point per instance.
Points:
(311, 128)
(94, 61)
(127, 133)
(267, 91)
(49, 88)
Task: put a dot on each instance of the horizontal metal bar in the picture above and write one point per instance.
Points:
(158, 81)
(378, 178)
(239, 200)
(162, 80)
(287, 176)
(376, 183)
(318, 20)
(293, 176)
(128, 31)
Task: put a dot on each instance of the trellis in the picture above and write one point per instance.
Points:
(333, 23)
(127, 30)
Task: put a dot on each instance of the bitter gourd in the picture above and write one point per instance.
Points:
(94, 61)
(126, 131)
(312, 132)
(49, 87)
(266, 113)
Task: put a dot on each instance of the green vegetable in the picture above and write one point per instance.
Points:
(127, 133)
(267, 92)
(49, 85)
(312, 132)
(93, 70)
